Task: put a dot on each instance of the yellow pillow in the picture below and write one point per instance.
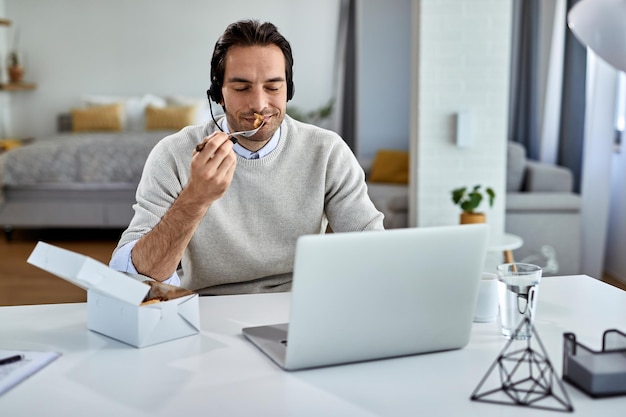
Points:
(390, 166)
(169, 118)
(104, 118)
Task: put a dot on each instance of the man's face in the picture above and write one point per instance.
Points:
(254, 82)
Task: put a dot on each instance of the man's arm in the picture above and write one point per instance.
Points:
(158, 253)
(121, 261)
(348, 206)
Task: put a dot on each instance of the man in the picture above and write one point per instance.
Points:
(231, 213)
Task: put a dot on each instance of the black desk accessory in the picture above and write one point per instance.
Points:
(525, 377)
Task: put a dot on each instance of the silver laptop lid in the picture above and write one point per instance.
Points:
(370, 295)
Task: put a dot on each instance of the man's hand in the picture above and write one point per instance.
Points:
(212, 168)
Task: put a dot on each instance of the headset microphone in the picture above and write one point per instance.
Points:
(209, 96)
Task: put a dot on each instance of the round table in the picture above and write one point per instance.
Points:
(506, 243)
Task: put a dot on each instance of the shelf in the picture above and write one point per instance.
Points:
(5, 22)
(18, 86)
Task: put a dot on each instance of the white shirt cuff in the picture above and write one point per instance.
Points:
(122, 261)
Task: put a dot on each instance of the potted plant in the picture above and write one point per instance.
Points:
(14, 67)
(317, 117)
(469, 200)
(15, 64)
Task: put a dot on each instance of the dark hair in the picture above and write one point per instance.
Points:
(247, 33)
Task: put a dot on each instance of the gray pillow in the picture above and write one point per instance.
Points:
(516, 165)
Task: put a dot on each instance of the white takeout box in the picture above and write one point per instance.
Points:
(113, 300)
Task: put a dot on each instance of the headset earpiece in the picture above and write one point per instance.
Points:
(291, 90)
(214, 93)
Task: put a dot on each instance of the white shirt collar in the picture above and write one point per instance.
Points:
(261, 153)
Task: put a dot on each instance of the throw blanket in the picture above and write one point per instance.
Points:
(79, 158)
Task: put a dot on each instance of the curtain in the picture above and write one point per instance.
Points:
(524, 101)
(572, 129)
(525, 94)
(345, 101)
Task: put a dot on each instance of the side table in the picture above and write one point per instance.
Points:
(499, 247)
(506, 243)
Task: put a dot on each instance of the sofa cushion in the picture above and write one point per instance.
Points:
(169, 118)
(542, 202)
(390, 166)
(541, 177)
(399, 203)
(99, 118)
(392, 201)
(516, 166)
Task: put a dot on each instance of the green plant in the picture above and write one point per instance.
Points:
(14, 59)
(312, 116)
(469, 199)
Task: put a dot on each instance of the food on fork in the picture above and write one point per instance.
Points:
(258, 119)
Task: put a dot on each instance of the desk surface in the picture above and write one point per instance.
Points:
(219, 373)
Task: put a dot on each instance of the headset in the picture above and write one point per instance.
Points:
(214, 92)
(217, 60)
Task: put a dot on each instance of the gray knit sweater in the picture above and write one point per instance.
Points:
(246, 241)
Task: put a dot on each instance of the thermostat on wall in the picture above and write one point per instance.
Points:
(464, 129)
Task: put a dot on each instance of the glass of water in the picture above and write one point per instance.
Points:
(518, 288)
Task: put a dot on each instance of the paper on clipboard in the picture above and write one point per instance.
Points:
(13, 373)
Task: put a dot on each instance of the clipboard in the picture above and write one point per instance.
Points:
(29, 363)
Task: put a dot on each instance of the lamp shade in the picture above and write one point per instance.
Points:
(601, 25)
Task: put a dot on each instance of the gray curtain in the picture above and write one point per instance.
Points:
(524, 98)
(572, 129)
(524, 102)
(345, 103)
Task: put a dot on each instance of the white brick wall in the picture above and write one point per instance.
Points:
(461, 63)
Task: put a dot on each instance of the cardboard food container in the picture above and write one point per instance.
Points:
(116, 303)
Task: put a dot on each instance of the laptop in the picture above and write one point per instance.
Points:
(371, 295)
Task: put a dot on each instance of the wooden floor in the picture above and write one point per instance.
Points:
(614, 281)
(22, 283)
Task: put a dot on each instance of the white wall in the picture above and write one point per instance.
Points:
(129, 47)
(461, 64)
(597, 157)
(615, 261)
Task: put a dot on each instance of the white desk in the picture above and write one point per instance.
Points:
(219, 373)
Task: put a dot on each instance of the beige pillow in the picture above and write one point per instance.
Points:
(390, 166)
(97, 118)
(169, 118)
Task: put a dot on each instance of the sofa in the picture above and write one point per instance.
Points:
(540, 207)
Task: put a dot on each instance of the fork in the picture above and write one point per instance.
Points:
(248, 133)
(244, 133)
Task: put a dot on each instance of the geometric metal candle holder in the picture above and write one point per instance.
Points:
(523, 377)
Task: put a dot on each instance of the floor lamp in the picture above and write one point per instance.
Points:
(601, 25)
